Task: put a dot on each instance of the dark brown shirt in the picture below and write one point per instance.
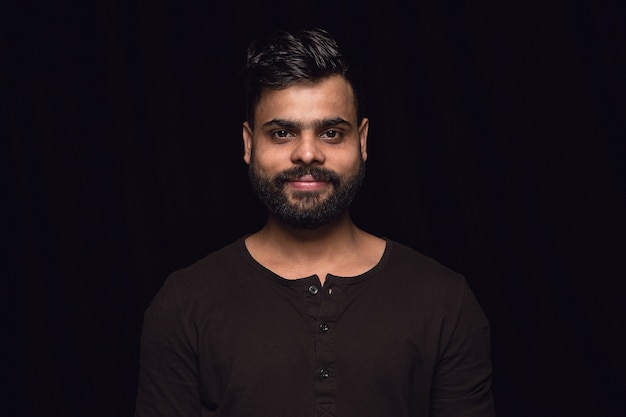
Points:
(227, 337)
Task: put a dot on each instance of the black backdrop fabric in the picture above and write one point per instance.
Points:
(496, 147)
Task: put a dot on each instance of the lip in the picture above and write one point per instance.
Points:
(307, 182)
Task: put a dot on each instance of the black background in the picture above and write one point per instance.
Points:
(496, 146)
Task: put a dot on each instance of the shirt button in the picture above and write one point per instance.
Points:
(324, 373)
(324, 327)
(313, 290)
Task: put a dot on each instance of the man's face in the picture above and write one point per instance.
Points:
(307, 151)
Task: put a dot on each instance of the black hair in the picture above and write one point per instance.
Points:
(285, 58)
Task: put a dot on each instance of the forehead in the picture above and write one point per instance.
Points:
(328, 98)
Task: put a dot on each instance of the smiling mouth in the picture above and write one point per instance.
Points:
(307, 182)
(306, 179)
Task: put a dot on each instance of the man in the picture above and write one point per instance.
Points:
(311, 316)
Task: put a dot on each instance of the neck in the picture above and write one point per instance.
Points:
(339, 248)
(309, 243)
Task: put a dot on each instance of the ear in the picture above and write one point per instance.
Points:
(363, 129)
(247, 142)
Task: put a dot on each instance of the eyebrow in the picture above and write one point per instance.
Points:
(318, 124)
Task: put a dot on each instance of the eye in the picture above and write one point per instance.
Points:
(282, 134)
(332, 135)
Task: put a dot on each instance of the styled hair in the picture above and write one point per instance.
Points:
(284, 59)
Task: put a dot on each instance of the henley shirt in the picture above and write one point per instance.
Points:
(228, 337)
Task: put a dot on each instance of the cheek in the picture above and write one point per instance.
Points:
(261, 154)
(349, 162)
(269, 163)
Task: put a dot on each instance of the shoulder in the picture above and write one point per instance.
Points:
(225, 258)
(406, 261)
(210, 274)
(421, 277)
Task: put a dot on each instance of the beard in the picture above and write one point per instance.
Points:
(309, 209)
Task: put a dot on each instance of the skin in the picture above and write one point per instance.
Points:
(310, 124)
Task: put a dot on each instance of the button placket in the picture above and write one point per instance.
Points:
(324, 326)
(325, 347)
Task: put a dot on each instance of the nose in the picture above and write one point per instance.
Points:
(307, 150)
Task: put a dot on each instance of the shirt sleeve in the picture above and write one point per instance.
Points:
(462, 382)
(168, 371)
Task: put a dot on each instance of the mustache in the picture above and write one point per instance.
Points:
(319, 173)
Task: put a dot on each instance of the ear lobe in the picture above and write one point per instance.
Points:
(247, 142)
